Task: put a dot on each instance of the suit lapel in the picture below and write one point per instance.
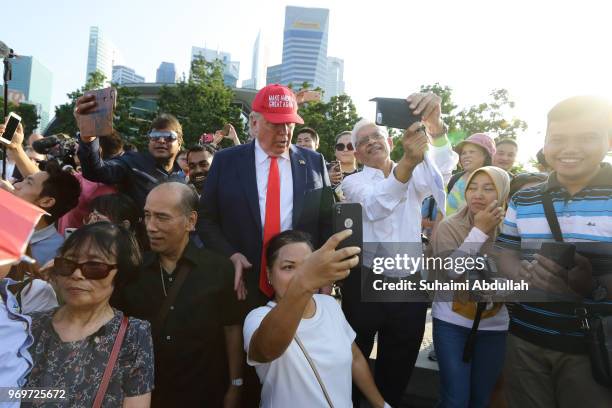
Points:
(248, 180)
(298, 171)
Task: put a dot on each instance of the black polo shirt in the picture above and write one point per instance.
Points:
(189, 347)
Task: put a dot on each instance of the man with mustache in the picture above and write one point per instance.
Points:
(135, 173)
(199, 160)
(391, 194)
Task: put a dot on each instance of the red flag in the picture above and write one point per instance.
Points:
(17, 221)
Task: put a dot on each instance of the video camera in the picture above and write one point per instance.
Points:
(60, 147)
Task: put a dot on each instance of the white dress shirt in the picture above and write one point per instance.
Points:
(391, 209)
(262, 169)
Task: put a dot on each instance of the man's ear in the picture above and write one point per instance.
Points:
(390, 141)
(45, 202)
(192, 220)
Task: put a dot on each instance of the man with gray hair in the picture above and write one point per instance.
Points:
(186, 292)
(391, 195)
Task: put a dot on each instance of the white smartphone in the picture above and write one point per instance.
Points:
(10, 127)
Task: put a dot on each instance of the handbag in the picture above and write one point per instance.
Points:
(112, 360)
(597, 327)
(314, 369)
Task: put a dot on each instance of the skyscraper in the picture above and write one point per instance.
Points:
(35, 82)
(101, 55)
(166, 73)
(231, 69)
(305, 46)
(335, 77)
(125, 75)
(259, 67)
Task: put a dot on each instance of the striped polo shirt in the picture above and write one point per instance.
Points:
(585, 218)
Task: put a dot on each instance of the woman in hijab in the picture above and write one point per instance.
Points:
(468, 379)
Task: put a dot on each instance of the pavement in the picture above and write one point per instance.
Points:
(422, 391)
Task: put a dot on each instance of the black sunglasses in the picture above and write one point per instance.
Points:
(90, 270)
(342, 146)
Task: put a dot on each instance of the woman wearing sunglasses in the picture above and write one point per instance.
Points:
(73, 343)
(345, 154)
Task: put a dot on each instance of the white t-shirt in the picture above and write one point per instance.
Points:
(39, 297)
(289, 380)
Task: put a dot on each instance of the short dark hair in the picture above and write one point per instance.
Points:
(201, 148)
(310, 131)
(285, 238)
(168, 121)
(111, 145)
(579, 106)
(118, 207)
(63, 187)
(506, 140)
(110, 239)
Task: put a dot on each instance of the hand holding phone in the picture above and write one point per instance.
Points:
(11, 127)
(94, 112)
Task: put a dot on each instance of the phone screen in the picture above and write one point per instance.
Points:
(10, 128)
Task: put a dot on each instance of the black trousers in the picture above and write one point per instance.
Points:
(400, 327)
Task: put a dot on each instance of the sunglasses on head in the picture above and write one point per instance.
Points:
(89, 270)
(169, 136)
(342, 146)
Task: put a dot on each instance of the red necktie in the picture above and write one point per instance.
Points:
(272, 222)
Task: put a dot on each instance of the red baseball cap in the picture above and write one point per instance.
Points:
(277, 104)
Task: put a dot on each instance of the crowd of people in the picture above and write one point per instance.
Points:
(200, 276)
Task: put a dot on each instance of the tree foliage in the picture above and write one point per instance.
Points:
(329, 119)
(493, 116)
(203, 103)
(28, 113)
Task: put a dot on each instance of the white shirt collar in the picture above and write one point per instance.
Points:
(261, 156)
(374, 173)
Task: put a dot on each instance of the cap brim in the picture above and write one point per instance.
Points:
(283, 118)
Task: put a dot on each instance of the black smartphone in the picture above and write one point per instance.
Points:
(10, 128)
(561, 253)
(394, 112)
(349, 216)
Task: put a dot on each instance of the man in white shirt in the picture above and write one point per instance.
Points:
(391, 195)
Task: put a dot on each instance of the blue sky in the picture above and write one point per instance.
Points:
(541, 51)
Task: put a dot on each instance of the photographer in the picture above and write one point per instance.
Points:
(391, 195)
(135, 174)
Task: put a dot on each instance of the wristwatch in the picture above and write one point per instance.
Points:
(237, 382)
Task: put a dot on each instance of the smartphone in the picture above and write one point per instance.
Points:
(226, 129)
(394, 112)
(10, 128)
(561, 253)
(334, 165)
(349, 216)
(99, 121)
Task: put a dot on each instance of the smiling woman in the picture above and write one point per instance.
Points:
(96, 260)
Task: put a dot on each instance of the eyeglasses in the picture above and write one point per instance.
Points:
(368, 138)
(168, 136)
(90, 270)
(341, 147)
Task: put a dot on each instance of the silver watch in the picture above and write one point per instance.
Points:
(237, 382)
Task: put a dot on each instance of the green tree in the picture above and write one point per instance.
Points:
(203, 103)
(29, 116)
(492, 116)
(329, 119)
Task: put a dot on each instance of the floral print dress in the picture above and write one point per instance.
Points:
(78, 366)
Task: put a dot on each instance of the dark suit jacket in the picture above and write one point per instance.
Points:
(229, 217)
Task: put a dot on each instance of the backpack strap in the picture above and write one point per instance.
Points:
(451, 183)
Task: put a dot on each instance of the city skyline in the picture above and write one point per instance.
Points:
(540, 55)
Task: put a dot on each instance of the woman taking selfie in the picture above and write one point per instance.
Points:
(73, 343)
(301, 345)
(470, 232)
